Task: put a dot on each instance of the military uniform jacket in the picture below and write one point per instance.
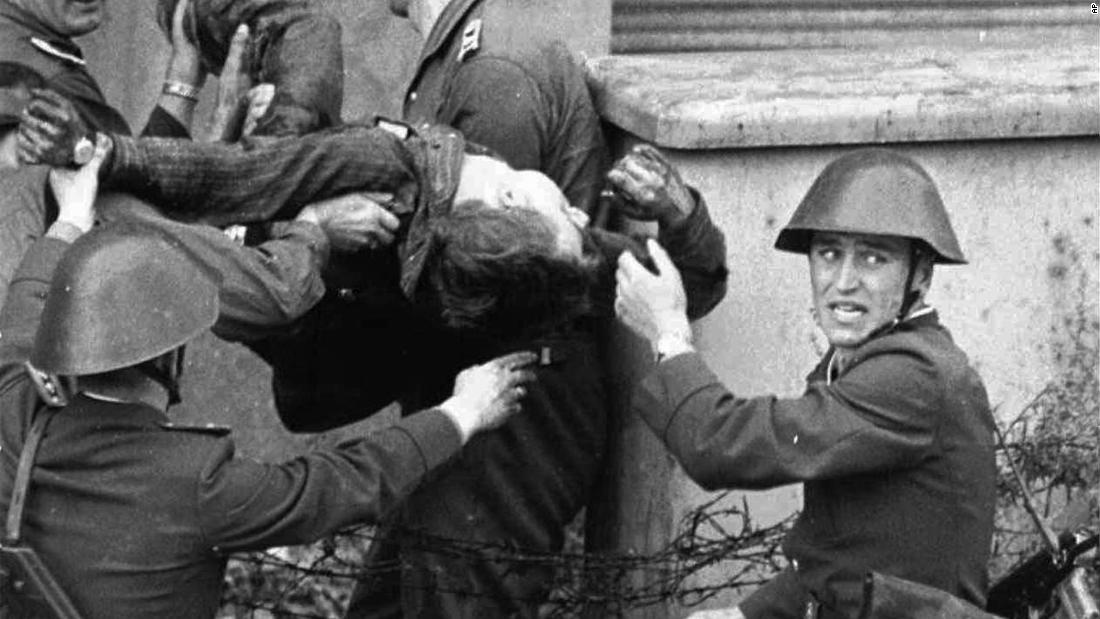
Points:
(25, 40)
(895, 454)
(491, 73)
(134, 516)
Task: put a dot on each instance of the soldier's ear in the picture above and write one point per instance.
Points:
(922, 275)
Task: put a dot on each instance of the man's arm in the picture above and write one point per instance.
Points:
(649, 188)
(261, 288)
(24, 216)
(881, 414)
(261, 178)
(27, 294)
(75, 191)
(247, 505)
(266, 287)
(870, 420)
(698, 249)
(258, 179)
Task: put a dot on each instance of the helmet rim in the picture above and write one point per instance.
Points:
(874, 191)
(122, 294)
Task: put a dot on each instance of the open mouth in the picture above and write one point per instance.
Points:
(847, 312)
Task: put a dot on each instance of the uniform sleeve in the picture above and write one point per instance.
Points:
(23, 218)
(698, 249)
(495, 103)
(296, 47)
(26, 300)
(880, 415)
(261, 288)
(246, 505)
(258, 179)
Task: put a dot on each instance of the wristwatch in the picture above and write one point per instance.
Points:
(83, 150)
(673, 343)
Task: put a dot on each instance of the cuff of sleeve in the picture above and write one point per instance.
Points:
(41, 259)
(312, 234)
(434, 434)
(689, 229)
(662, 393)
(122, 160)
(64, 231)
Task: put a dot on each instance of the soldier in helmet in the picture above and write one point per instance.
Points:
(893, 437)
(132, 514)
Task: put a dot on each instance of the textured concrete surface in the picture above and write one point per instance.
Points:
(842, 96)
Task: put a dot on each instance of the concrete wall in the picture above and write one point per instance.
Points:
(1026, 214)
(226, 383)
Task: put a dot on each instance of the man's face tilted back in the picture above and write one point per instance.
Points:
(858, 283)
(498, 185)
(70, 18)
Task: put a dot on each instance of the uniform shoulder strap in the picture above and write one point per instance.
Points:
(22, 482)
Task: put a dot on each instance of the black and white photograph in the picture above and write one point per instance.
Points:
(549, 309)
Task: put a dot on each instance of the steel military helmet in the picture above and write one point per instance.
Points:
(121, 295)
(874, 191)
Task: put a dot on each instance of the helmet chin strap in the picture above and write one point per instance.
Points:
(909, 297)
(166, 373)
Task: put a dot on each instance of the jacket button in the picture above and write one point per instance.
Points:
(412, 97)
(794, 564)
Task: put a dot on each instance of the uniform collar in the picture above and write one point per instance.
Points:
(98, 412)
(439, 163)
(449, 21)
(39, 30)
(923, 317)
(43, 39)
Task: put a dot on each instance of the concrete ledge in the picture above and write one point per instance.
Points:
(835, 96)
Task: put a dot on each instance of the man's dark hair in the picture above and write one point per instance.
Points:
(501, 272)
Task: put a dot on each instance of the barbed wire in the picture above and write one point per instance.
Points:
(314, 582)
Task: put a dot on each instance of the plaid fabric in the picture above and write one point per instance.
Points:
(265, 178)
